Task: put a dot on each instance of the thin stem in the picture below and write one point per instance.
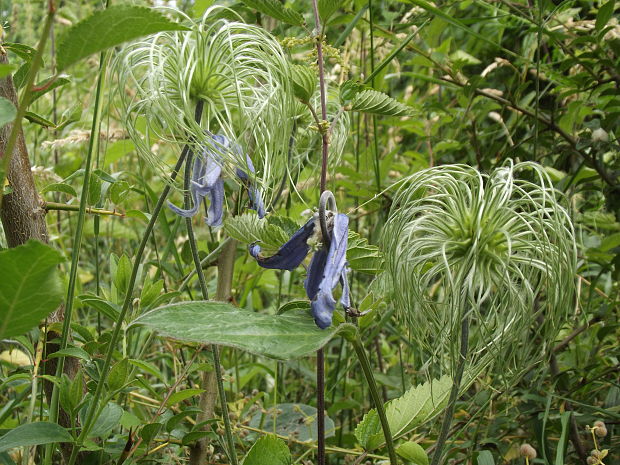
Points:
(376, 398)
(454, 392)
(320, 355)
(37, 60)
(90, 418)
(49, 206)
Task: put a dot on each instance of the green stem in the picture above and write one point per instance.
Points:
(456, 387)
(90, 418)
(37, 60)
(376, 398)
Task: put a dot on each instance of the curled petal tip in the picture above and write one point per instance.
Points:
(181, 211)
(323, 310)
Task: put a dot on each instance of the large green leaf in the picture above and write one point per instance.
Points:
(108, 28)
(282, 337)
(276, 10)
(416, 406)
(29, 286)
(270, 232)
(363, 256)
(378, 103)
(7, 111)
(34, 434)
(268, 450)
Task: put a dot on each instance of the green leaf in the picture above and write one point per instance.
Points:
(327, 8)
(60, 187)
(378, 103)
(416, 406)
(123, 274)
(7, 111)
(363, 256)
(117, 150)
(5, 69)
(48, 85)
(38, 119)
(291, 420)
(413, 452)
(280, 337)
(304, 82)
(29, 286)
(485, 458)
(276, 10)
(270, 233)
(118, 375)
(75, 352)
(268, 450)
(34, 434)
(349, 89)
(108, 28)
(106, 421)
(101, 305)
(183, 395)
(604, 15)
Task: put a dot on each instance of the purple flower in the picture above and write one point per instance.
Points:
(327, 267)
(207, 182)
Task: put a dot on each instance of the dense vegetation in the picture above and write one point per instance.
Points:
(309, 232)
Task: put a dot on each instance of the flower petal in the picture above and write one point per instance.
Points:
(197, 194)
(322, 300)
(291, 254)
(215, 212)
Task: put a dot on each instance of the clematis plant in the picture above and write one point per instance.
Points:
(207, 181)
(327, 267)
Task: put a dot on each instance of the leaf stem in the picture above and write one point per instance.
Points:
(376, 398)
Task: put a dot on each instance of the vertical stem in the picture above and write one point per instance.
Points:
(320, 355)
(456, 386)
(376, 398)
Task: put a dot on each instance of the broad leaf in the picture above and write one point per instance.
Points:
(268, 450)
(48, 85)
(412, 452)
(375, 102)
(363, 256)
(34, 434)
(604, 14)
(276, 10)
(7, 111)
(60, 187)
(327, 8)
(270, 232)
(418, 405)
(108, 28)
(281, 337)
(29, 286)
(298, 421)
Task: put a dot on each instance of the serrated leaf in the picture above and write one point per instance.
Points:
(249, 228)
(60, 187)
(363, 256)
(108, 28)
(349, 89)
(418, 405)
(327, 8)
(268, 450)
(7, 111)
(30, 288)
(34, 434)
(281, 337)
(304, 82)
(378, 103)
(276, 10)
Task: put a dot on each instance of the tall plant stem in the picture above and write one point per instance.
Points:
(90, 417)
(93, 147)
(454, 392)
(199, 451)
(37, 60)
(376, 398)
(320, 355)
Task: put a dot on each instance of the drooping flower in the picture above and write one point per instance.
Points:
(327, 267)
(207, 181)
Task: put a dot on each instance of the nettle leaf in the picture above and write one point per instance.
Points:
(349, 89)
(281, 337)
(34, 434)
(268, 450)
(327, 8)
(108, 28)
(7, 111)
(416, 406)
(363, 256)
(30, 288)
(270, 232)
(378, 103)
(276, 10)
(304, 82)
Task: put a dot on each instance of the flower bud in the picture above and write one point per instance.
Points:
(600, 135)
(600, 429)
(591, 460)
(527, 451)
